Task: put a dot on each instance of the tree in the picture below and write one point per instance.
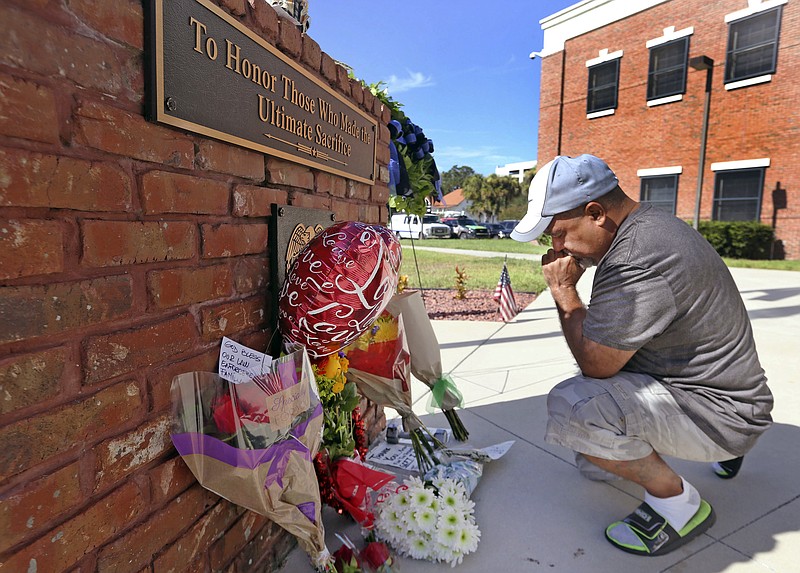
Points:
(472, 187)
(527, 177)
(516, 208)
(490, 194)
(454, 177)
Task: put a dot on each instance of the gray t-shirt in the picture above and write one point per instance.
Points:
(663, 291)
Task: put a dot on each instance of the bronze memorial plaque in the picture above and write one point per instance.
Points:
(290, 229)
(211, 75)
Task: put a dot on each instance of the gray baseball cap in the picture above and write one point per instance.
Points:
(560, 185)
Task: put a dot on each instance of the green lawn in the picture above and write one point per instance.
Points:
(438, 270)
(775, 265)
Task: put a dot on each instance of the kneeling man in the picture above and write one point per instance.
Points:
(665, 348)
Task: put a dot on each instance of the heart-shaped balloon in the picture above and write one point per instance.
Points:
(338, 285)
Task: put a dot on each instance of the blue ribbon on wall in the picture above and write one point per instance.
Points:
(418, 147)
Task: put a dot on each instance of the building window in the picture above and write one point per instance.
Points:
(660, 192)
(603, 82)
(753, 46)
(668, 63)
(737, 195)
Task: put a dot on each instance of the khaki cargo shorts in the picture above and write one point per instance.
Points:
(625, 417)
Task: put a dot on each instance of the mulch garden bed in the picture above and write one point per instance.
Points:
(478, 304)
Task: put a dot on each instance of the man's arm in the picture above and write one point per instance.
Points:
(595, 360)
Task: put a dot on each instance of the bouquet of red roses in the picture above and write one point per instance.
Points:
(254, 443)
(375, 557)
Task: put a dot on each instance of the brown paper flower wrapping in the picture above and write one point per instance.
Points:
(426, 356)
(266, 463)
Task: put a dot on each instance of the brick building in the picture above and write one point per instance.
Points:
(127, 250)
(627, 81)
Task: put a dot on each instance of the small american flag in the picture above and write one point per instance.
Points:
(504, 296)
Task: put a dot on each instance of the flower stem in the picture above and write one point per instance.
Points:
(425, 447)
(460, 432)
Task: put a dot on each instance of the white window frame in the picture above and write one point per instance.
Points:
(742, 164)
(655, 172)
(760, 163)
(753, 7)
(658, 171)
(604, 56)
(669, 34)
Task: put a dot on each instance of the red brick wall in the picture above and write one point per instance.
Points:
(127, 249)
(550, 107)
(746, 123)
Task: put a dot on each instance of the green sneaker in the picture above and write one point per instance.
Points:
(727, 469)
(646, 532)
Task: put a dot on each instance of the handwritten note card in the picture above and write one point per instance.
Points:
(239, 364)
(395, 455)
(284, 406)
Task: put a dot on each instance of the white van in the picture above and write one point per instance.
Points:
(408, 226)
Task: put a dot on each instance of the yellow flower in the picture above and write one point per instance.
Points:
(402, 283)
(331, 367)
(338, 386)
(387, 328)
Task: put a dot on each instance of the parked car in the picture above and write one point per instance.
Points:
(506, 228)
(495, 229)
(465, 228)
(407, 226)
(433, 228)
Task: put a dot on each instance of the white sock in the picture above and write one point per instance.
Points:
(679, 509)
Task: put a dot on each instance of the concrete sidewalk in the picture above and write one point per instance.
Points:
(534, 510)
(471, 253)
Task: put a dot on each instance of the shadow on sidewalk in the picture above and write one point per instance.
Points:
(775, 312)
(499, 340)
(534, 507)
(536, 513)
(773, 294)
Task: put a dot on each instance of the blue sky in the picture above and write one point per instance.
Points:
(461, 68)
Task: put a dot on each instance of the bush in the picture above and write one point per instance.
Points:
(738, 239)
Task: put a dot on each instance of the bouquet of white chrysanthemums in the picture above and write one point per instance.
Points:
(435, 522)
